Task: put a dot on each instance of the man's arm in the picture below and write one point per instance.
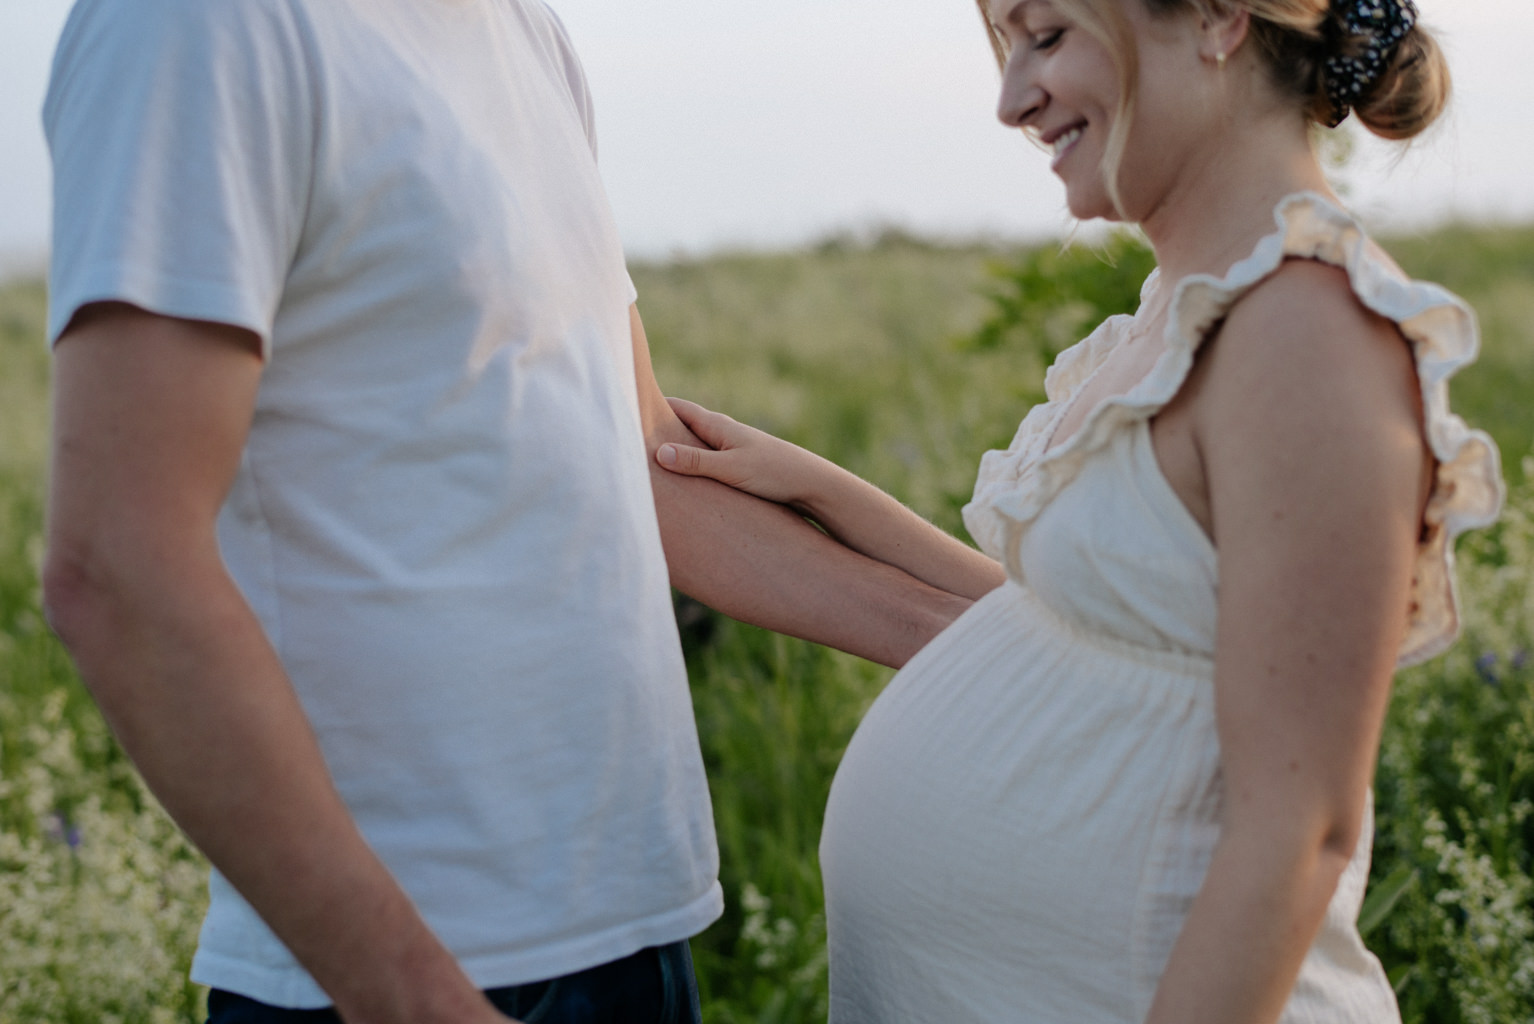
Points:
(762, 563)
(150, 418)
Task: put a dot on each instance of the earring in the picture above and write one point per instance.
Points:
(1219, 59)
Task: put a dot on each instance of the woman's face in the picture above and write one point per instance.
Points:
(1062, 84)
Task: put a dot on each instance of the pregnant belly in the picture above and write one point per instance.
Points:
(1006, 794)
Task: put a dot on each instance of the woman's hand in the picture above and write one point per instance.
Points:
(852, 511)
(743, 457)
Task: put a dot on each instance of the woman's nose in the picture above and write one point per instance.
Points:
(1021, 97)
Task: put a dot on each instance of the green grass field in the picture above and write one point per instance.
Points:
(903, 361)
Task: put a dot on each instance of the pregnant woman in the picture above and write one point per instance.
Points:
(1131, 783)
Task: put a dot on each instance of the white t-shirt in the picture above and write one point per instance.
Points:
(443, 515)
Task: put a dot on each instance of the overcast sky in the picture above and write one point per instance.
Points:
(767, 124)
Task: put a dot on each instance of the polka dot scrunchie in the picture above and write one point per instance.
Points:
(1371, 31)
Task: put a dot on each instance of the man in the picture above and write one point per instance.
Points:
(352, 534)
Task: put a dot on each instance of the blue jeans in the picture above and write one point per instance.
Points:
(653, 986)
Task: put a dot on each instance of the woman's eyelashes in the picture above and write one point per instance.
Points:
(1046, 40)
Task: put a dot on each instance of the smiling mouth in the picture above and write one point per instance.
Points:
(1065, 140)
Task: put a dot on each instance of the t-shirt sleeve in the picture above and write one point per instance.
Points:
(181, 136)
(575, 79)
(580, 94)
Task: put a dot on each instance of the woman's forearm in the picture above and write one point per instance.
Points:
(874, 524)
(759, 562)
(890, 585)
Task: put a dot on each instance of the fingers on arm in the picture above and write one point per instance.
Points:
(688, 412)
(723, 436)
(668, 424)
(687, 460)
(714, 429)
(690, 460)
(673, 422)
(1313, 446)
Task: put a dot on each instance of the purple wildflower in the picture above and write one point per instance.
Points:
(1486, 666)
(64, 830)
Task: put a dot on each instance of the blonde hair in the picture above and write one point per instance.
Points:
(1292, 38)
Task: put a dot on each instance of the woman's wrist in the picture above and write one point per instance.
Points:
(828, 494)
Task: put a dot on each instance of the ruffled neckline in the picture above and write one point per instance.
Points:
(1014, 485)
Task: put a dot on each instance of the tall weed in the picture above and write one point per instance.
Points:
(1455, 798)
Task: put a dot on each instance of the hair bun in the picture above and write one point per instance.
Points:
(1363, 37)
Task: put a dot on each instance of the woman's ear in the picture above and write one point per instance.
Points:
(1223, 29)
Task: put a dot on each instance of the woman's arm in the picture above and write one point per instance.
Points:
(1309, 428)
(762, 563)
(850, 509)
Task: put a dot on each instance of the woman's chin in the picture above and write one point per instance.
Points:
(1089, 201)
(1099, 209)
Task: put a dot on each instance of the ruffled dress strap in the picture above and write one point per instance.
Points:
(1015, 485)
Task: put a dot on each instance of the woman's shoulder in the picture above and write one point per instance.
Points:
(1305, 321)
(1319, 296)
(1306, 391)
(1344, 359)
(1303, 354)
(1311, 227)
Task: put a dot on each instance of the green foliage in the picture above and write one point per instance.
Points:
(100, 896)
(774, 715)
(1455, 798)
(1050, 298)
(1493, 269)
(23, 380)
(850, 351)
(904, 361)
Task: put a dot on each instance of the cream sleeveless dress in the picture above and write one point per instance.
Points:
(1022, 820)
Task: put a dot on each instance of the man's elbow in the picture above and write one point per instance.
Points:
(72, 594)
(94, 590)
(105, 601)
(98, 611)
